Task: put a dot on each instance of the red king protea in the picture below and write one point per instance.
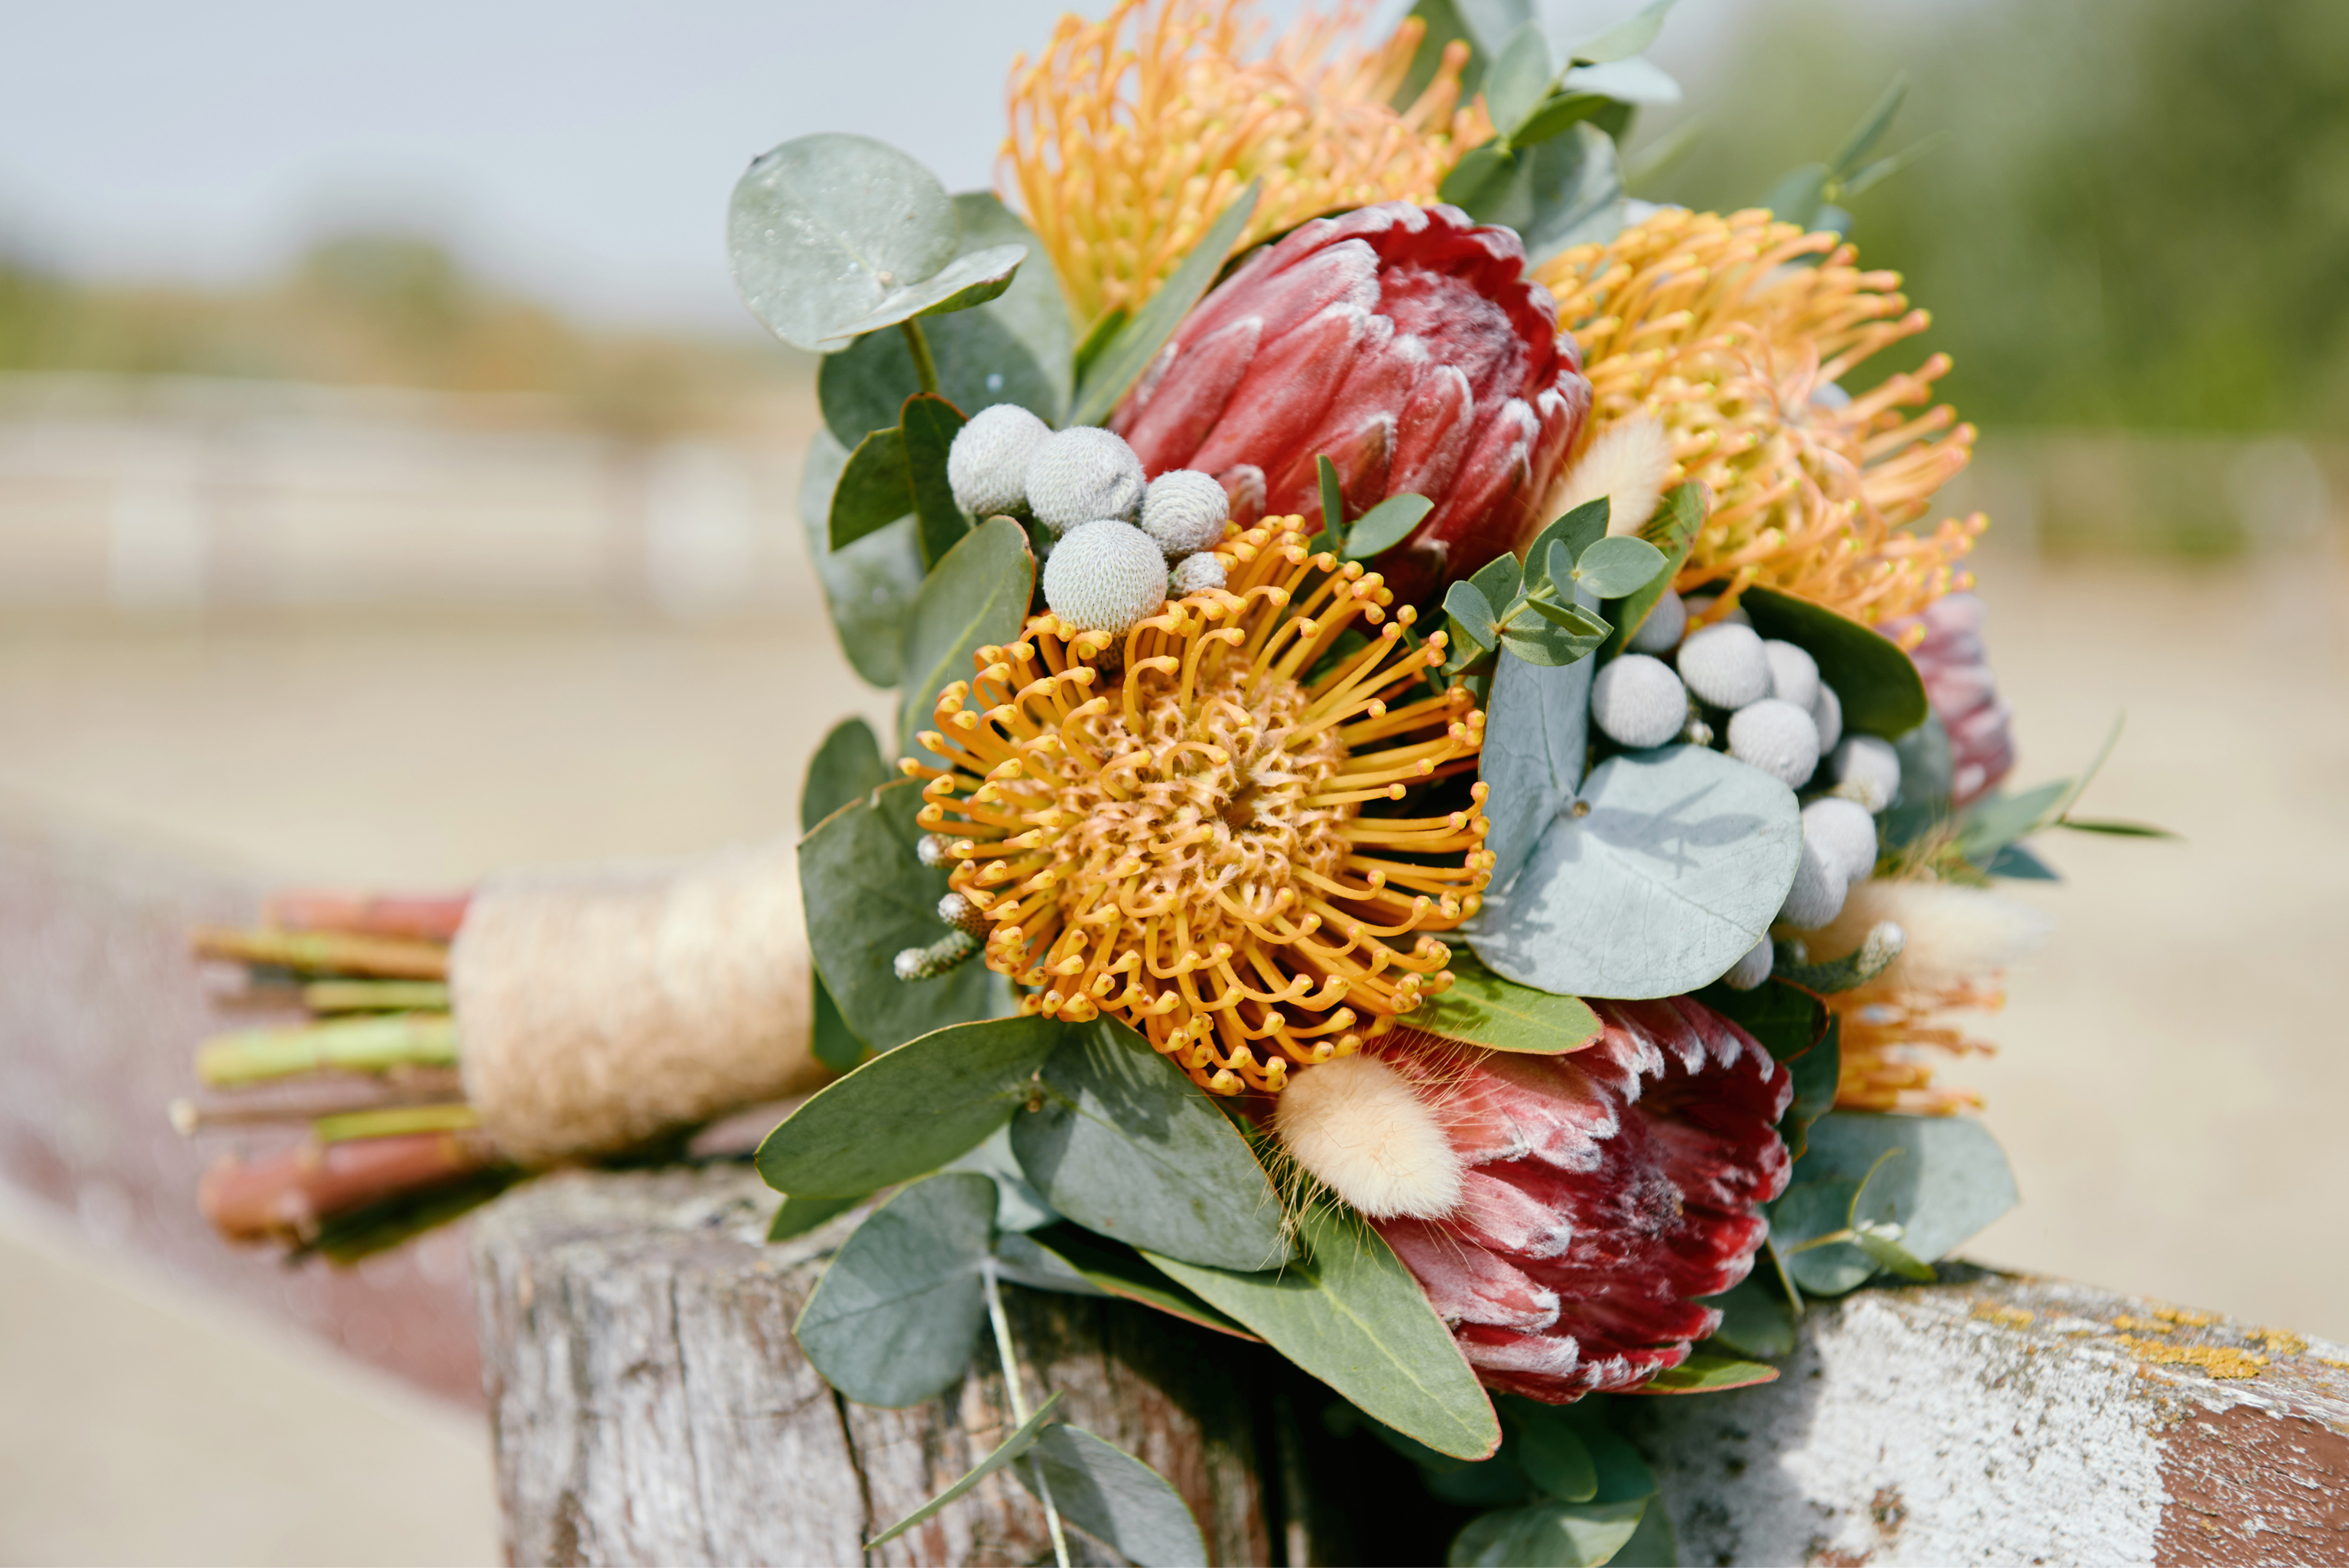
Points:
(1404, 343)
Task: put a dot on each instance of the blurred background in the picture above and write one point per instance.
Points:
(391, 491)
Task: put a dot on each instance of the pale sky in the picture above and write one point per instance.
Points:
(581, 151)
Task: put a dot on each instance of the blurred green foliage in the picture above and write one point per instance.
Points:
(2138, 213)
(385, 310)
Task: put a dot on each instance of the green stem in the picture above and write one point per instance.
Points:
(375, 995)
(925, 369)
(357, 1044)
(1019, 1409)
(393, 1120)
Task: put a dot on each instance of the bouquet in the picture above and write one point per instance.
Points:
(1446, 788)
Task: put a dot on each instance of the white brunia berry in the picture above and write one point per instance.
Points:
(1818, 892)
(1843, 832)
(1195, 575)
(1080, 475)
(1638, 702)
(1105, 575)
(1661, 632)
(1867, 769)
(1793, 674)
(1184, 511)
(1827, 714)
(1725, 665)
(988, 464)
(1751, 970)
(1778, 738)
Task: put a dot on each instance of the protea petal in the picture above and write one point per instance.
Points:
(1963, 693)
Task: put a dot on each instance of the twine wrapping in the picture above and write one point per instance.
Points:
(599, 1008)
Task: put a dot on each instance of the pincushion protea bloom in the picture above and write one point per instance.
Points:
(1404, 344)
(1130, 134)
(1603, 1193)
(1734, 332)
(1189, 827)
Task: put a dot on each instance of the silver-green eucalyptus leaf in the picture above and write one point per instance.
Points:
(869, 586)
(1012, 1448)
(1547, 1535)
(894, 1317)
(977, 596)
(1537, 739)
(965, 281)
(825, 228)
(1115, 1498)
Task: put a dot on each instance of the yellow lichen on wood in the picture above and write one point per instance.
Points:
(2221, 1361)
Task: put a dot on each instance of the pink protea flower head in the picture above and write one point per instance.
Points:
(1602, 1194)
(1404, 343)
(1964, 694)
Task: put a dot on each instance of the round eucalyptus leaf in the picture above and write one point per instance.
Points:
(1114, 1498)
(965, 281)
(824, 228)
(1536, 736)
(869, 586)
(894, 1319)
(1664, 870)
(1948, 1179)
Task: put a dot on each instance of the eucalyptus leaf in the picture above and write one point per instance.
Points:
(1893, 1258)
(1017, 1206)
(1578, 529)
(1547, 1535)
(962, 282)
(1483, 1008)
(1625, 39)
(868, 898)
(893, 1320)
(1386, 525)
(1871, 128)
(1671, 529)
(1034, 309)
(1634, 79)
(1121, 361)
(1333, 499)
(909, 1111)
(1586, 630)
(1807, 1214)
(928, 425)
(1349, 1313)
(1800, 194)
(1483, 24)
(1518, 78)
(1667, 869)
(1922, 807)
(846, 766)
(1500, 581)
(1817, 1073)
(1704, 1374)
(1573, 191)
(1552, 115)
(1552, 635)
(1881, 691)
(1755, 1320)
(977, 596)
(1483, 183)
(1114, 1498)
(1123, 1143)
(1997, 819)
(867, 587)
(1537, 739)
(1018, 1260)
(1117, 1269)
(1021, 1439)
(824, 228)
(1619, 565)
(1097, 340)
(1468, 607)
(1948, 1181)
(798, 1216)
(874, 490)
(1550, 1451)
(832, 1041)
(2084, 825)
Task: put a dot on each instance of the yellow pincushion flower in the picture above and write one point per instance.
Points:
(1183, 827)
(1731, 332)
(1131, 134)
(1887, 1029)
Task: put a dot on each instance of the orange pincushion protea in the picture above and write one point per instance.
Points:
(1722, 329)
(1886, 1032)
(1170, 827)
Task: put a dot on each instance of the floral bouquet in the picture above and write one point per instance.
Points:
(1444, 793)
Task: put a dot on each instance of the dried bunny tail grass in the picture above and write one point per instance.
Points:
(602, 1007)
(1359, 1126)
(1630, 462)
(1130, 135)
(1734, 332)
(1168, 826)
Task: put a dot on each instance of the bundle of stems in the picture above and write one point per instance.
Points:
(389, 1145)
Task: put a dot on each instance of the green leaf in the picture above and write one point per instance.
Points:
(1349, 1313)
(823, 228)
(846, 765)
(1947, 1180)
(874, 490)
(1468, 608)
(1755, 1320)
(1634, 79)
(1922, 805)
(1121, 361)
(1499, 579)
(893, 1321)
(2109, 825)
(869, 586)
(2020, 864)
(1586, 630)
(869, 898)
(1881, 691)
(1817, 1073)
(930, 424)
(798, 1216)
(1483, 24)
(1670, 867)
(1536, 741)
(1619, 565)
(1547, 1535)
(967, 280)
(1573, 191)
(1997, 819)
(1554, 115)
(1333, 500)
(1578, 529)
(1626, 38)
(1023, 1439)
(1103, 334)
(1518, 78)
(1704, 1374)
(1553, 635)
(1115, 1498)
(833, 1043)
(1871, 128)
(1799, 195)
(1483, 183)
(977, 596)
(1121, 1271)
(1893, 1258)
(1550, 1451)
(1386, 525)
(1483, 1008)
(1786, 1021)
(1017, 1206)
(909, 1111)
(1123, 1144)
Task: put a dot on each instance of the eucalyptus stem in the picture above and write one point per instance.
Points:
(1019, 1403)
(925, 369)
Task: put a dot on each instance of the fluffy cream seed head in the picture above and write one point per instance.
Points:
(1955, 933)
(1184, 511)
(1628, 463)
(1358, 1125)
(987, 467)
(1081, 474)
(1105, 575)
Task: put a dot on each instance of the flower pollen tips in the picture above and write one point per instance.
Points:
(1359, 1126)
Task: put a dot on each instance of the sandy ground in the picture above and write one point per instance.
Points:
(2169, 1085)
